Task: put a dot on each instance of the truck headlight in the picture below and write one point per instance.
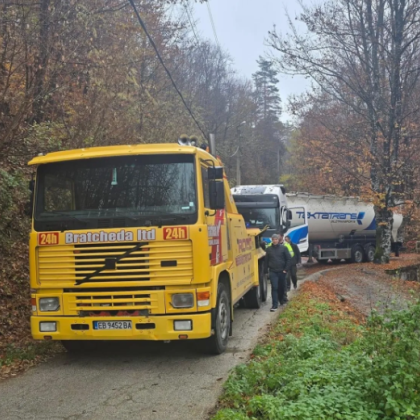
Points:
(50, 304)
(183, 300)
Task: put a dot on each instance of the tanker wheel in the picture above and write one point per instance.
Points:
(369, 253)
(357, 254)
(253, 298)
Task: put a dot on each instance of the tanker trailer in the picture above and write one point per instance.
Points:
(340, 227)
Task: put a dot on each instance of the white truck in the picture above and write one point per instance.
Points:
(324, 226)
(267, 206)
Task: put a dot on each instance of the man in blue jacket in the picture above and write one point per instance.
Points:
(278, 261)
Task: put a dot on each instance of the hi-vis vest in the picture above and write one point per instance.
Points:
(287, 245)
(290, 248)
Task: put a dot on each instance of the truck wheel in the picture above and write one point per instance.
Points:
(253, 298)
(263, 285)
(217, 343)
(369, 253)
(357, 254)
(78, 346)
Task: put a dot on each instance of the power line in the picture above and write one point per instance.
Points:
(142, 24)
(212, 23)
(191, 23)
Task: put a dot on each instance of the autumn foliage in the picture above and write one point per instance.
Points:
(77, 74)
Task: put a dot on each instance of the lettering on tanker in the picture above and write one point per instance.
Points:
(334, 217)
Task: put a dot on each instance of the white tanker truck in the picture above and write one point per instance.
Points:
(326, 227)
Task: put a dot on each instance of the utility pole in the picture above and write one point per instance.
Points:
(238, 167)
(212, 145)
(238, 152)
(238, 158)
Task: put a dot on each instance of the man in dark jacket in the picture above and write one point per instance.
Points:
(278, 260)
(296, 259)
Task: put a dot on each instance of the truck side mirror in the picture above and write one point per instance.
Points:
(289, 215)
(215, 172)
(217, 195)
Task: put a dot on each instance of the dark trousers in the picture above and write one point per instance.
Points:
(292, 275)
(278, 287)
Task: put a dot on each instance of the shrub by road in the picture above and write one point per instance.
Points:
(324, 360)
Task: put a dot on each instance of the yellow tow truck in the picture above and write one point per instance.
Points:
(138, 242)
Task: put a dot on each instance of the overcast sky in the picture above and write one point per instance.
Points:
(242, 26)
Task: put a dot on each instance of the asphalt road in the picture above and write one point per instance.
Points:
(132, 380)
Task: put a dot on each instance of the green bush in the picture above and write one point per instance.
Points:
(314, 376)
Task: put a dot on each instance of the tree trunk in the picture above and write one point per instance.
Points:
(41, 61)
(384, 222)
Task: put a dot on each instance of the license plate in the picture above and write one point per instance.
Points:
(112, 325)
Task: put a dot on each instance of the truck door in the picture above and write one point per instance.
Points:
(297, 226)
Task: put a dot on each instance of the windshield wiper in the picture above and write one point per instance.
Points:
(70, 216)
(154, 220)
(159, 221)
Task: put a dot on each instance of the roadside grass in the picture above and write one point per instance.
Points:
(323, 360)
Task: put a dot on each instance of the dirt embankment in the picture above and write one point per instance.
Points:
(367, 286)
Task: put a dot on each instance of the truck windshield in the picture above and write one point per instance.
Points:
(260, 217)
(124, 191)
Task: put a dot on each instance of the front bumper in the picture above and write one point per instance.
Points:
(152, 328)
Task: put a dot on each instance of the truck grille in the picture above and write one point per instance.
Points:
(153, 261)
(97, 302)
(119, 302)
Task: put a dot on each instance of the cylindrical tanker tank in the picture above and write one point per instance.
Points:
(338, 222)
(330, 217)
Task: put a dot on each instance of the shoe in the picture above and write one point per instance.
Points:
(273, 309)
(295, 286)
(284, 302)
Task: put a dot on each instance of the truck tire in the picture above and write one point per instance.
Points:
(78, 346)
(263, 284)
(253, 298)
(218, 342)
(369, 253)
(357, 254)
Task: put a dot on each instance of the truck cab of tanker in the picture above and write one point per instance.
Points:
(266, 206)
